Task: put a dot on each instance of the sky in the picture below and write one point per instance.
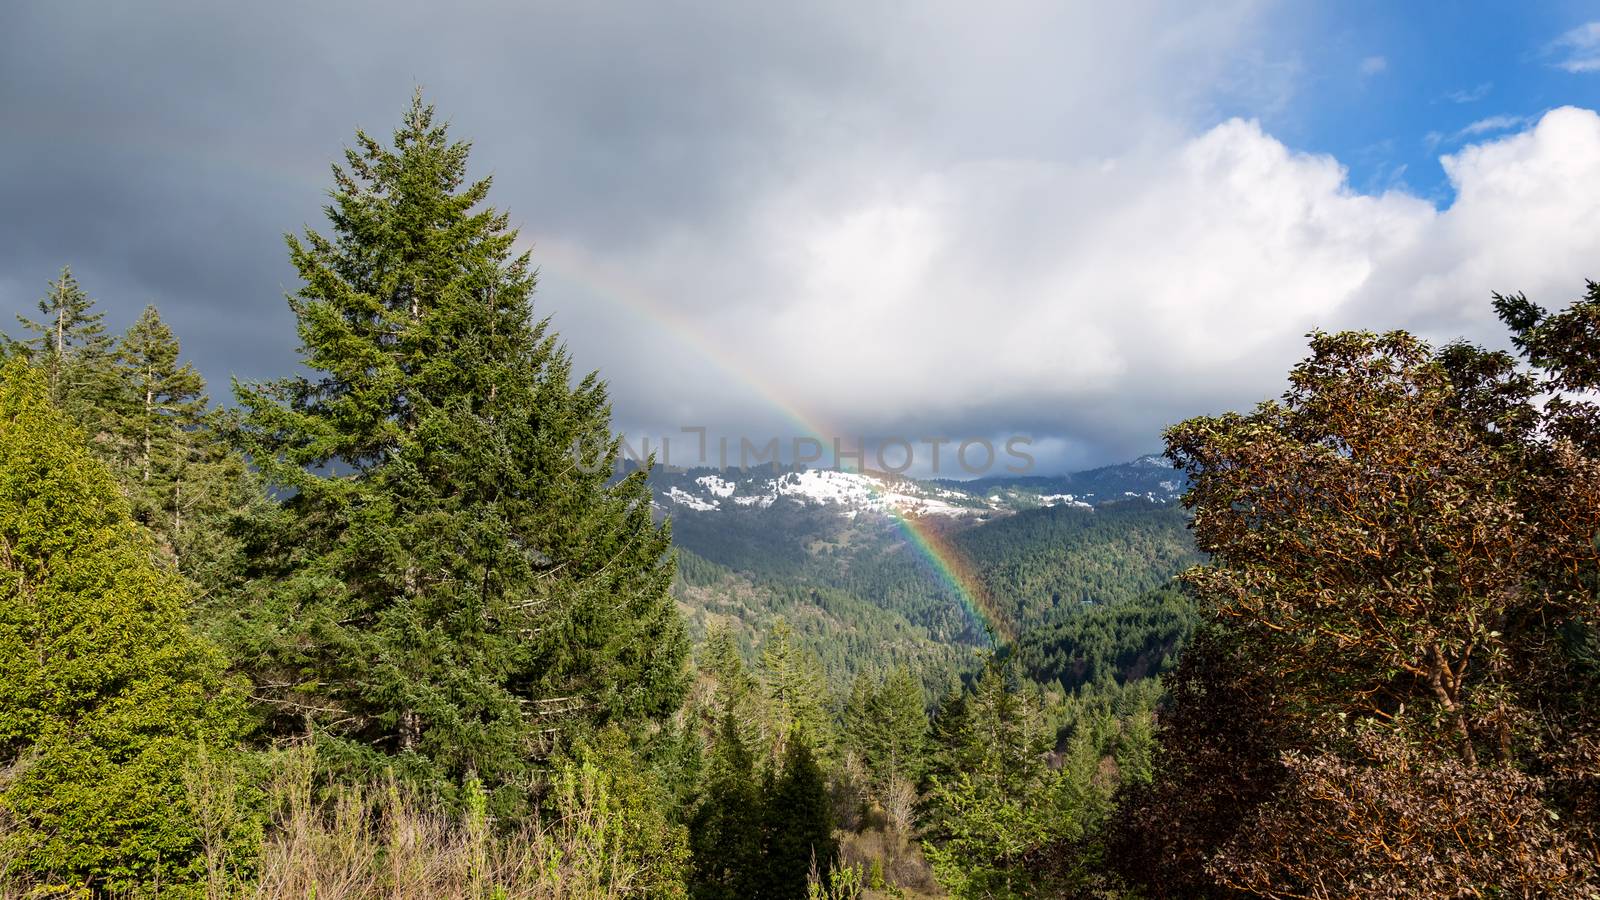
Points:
(1077, 223)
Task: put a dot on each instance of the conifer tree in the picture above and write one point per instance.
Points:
(889, 728)
(736, 690)
(450, 579)
(796, 690)
(725, 829)
(991, 792)
(70, 346)
(103, 692)
(798, 826)
(162, 409)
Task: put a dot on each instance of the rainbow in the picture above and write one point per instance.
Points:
(571, 262)
(953, 568)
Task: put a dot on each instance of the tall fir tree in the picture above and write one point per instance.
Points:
(797, 691)
(735, 690)
(184, 481)
(70, 346)
(991, 797)
(447, 581)
(162, 407)
(104, 694)
(798, 824)
(725, 835)
(888, 725)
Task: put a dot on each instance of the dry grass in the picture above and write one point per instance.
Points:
(380, 841)
(384, 843)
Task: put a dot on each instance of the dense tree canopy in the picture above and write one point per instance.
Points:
(104, 693)
(1403, 597)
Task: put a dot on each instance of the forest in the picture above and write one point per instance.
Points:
(370, 630)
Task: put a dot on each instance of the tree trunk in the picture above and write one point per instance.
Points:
(149, 405)
(410, 729)
(1438, 668)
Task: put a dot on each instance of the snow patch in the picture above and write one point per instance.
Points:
(718, 487)
(684, 498)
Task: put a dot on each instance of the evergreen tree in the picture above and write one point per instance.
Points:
(1136, 749)
(737, 693)
(798, 827)
(991, 791)
(185, 483)
(889, 727)
(445, 580)
(725, 829)
(796, 689)
(69, 344)
(163, 406)
(103, 692)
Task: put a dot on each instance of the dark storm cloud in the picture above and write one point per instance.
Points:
(883, 219)
(163, 149)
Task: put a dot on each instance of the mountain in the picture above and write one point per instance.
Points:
(879, 493)
(829, 552)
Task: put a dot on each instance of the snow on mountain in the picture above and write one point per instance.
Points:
(717, 485)
(679, 495)
(856, 493)
(1059, 499)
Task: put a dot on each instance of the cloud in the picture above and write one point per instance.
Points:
(771, 219)
(1488, 125)
(1493, 124)
(1472, 95)
(1105, 298)
(1373, 65)
(1578, 49)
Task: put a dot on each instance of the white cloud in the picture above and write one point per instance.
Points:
(1479, 128)
(1104, 298)
(1472, 95)
(1373, 65)
(1578, 49)
(1493, 124)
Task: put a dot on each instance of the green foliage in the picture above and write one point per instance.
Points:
(182, 480)
(69, 345)
(104, 694)
(797, 827)
(725, 828)
(985, 804)
(1043, 565)
(1126, 641)
(850, 634)
(886, 723)
(443, 583)
(797, 692)
(644, 840)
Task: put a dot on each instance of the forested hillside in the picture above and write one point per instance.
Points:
(1038, 566)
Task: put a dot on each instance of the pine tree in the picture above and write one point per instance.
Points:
(889, 727)
(796, 689)
(445, 581)
(162, 410)
(725, 828)
(103, 692)
(798, 827)
(69, 344)
(736, 690)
